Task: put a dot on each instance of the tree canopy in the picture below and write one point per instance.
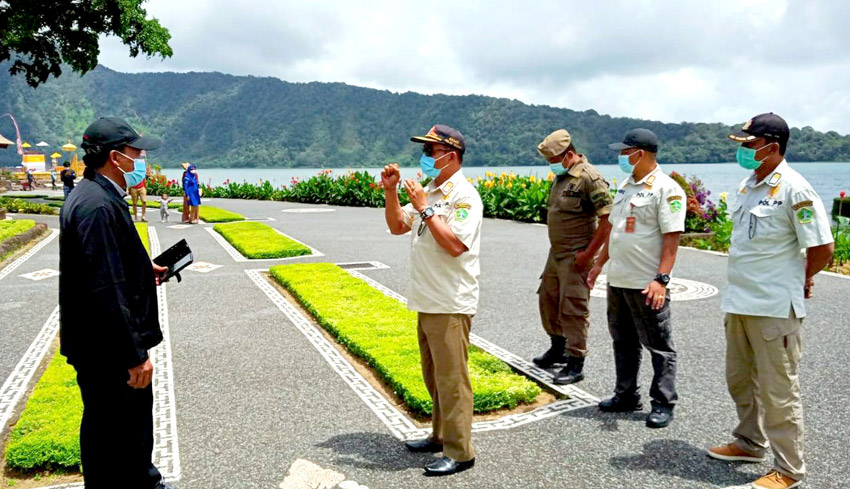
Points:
(41, 35)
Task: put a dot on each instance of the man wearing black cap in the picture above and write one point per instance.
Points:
(647, 220)
(108, 310)
(775, 215)
(446, 220)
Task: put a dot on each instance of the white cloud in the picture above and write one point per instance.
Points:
(724, 60)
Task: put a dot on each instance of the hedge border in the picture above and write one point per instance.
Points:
(249, 237)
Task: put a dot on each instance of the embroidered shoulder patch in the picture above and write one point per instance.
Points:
(462, 205)
(676, 206)
(804, 215)
(799, 205)
(674, 197)
(461, 214)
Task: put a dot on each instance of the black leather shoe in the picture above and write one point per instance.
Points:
(618, 404)
(554, 355)
(423, 446)
(660, 416)
(447, 466)
(572, 373)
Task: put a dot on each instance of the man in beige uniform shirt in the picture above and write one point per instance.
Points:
(776, 214)
(445, 218)
(578, 199)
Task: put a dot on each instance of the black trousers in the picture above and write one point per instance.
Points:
(634, 325)
(116, 435)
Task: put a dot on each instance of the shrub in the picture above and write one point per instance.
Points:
(23, 207)
(14, 227)
(214, 214)
(258, 240)
(142, 229)
(382, 331)
(47, 436)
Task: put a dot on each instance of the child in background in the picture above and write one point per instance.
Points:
(163, 207)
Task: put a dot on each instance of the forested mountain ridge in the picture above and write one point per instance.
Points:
(218, 120)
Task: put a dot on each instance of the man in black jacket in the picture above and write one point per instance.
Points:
(109, 313)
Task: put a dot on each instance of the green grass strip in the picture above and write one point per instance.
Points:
(155, 204)
(258, 240)
(47, 437)
(382, 331)
(48, 434)
(9, 228)
(214, 214)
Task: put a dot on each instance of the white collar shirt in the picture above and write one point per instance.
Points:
(774, 221)
(439, 282)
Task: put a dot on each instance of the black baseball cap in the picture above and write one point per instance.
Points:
(443, 135)
(638, 138)
(111, 132)
(768, 125)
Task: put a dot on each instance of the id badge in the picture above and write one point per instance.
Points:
(630, 224)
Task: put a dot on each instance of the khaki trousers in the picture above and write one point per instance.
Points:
(762, 356)
(137, 194)
(563, 296)
(444, 348)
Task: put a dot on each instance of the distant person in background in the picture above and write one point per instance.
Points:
(68, 177)
(140, 192)
(776, 214)
(191, 188)
(164, 200)
(52, 179)
(185, 217)
(30, 179)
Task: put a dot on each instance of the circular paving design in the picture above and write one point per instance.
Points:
(680, 289)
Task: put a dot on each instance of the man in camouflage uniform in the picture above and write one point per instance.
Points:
(579, 204)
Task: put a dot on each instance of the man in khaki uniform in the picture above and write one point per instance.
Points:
(445, 218)
(577, 219)
(775, 215)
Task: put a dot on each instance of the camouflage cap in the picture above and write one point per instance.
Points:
(554, 144)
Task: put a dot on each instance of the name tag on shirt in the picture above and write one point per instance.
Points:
(630, 224)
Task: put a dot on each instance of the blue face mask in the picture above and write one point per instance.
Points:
(625, 165)
(428, 165)
(558, 168)
(747, 157)
(140, 171)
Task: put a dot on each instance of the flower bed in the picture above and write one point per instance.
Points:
(382, 331)
(23, 207)
(257, 240)
(9, 228)
(214, 214)
(47, 436)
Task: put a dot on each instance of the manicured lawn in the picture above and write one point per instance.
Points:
(258, 240)
(9, 228)
(142, 229)
(47, 435)
(214, 214)
(382, 331)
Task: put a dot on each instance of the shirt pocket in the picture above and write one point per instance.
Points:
(569, 203)
(642, 209)
(765, 223)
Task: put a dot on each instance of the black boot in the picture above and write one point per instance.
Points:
(554, 355)
(572, 373)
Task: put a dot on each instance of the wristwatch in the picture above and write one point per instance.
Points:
(427, 213)
(663, 279)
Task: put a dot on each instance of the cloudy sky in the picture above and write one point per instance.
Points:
(717, 61)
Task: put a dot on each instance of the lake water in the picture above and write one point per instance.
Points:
(828, 179)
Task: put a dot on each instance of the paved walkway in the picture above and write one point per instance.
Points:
(253, 395)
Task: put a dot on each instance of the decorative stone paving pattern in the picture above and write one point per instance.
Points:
(234, 253)
(41, 274)
(399, 424)
(165, 451)
(203, 267)
(26, 256)
(680, 289)
(16, 385)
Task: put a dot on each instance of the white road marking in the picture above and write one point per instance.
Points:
(16, 385)
(29, 254)
(41, 274)
(307, 210)
(179, 226)
(306, 475)
(396, 421)
(238, 257)
(203, 267)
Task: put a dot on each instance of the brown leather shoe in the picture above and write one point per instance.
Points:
(733, 453)
(775, 480)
